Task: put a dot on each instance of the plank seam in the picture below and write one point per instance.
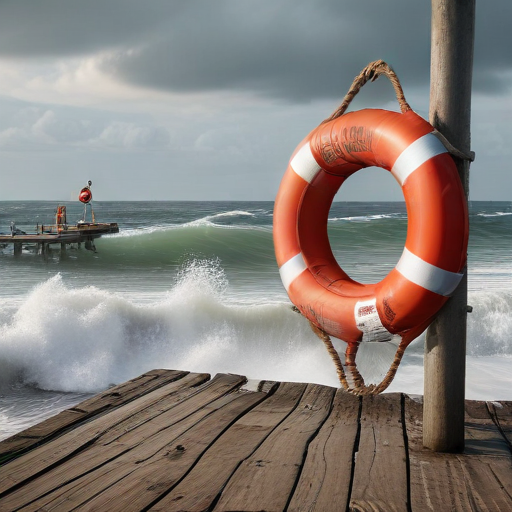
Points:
(233, 388)
(105, 462)
(472, 494)
(406, 446)
(48, 468)
(9, 457)
(354, 454)
(206, 384)
(165, 493)
(496, 420)
(217, 498)
(500, 483)
(88, 444)
(305, 454)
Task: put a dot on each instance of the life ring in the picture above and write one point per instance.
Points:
(404, 303)
(85, 195)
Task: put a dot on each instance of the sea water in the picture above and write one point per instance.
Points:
(194, 286)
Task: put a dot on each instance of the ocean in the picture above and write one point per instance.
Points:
(194, 286)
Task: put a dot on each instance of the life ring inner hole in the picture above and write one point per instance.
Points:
(368, 239)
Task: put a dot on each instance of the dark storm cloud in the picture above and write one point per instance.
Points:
(298, 50)
(295, 50)
(62, 27)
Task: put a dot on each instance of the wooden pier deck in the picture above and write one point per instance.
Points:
(56, 234)
(179, 441)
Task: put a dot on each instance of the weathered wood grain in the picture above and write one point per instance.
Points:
(380, 476)
(451, 69)
(43, 457)
(501, 413)
(192, 445)
(109, 399)
(266, 479)
(138, 478)
(482, 436)
(324, 483)
(477, 480)
(198, 490)
(102, 450)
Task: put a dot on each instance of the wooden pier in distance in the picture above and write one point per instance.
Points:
(84, 233)
(178, 441)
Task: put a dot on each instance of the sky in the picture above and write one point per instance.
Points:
(207, 100)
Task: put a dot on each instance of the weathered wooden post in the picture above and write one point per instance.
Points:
(453, 23)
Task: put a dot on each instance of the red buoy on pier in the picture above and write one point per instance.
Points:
(85, 195)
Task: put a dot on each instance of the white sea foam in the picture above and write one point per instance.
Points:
(369, 218)
(144, 231)
(207, 221)
(496, 214)
(84, 339)
(210, 218)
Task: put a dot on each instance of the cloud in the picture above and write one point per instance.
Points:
(44, 128)
(211, 98)
(290, 50)
(61, 28)
(129, 135)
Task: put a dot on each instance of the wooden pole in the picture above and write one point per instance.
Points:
(453, 23)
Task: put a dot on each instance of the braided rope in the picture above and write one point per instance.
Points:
(369, 74)
(355, 384)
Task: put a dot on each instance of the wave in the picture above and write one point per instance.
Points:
(235, 246)
(84, 339)
(496, 214)
(369, 218)
(208, 221)
(234, 213)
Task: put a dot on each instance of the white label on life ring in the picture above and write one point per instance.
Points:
(426, 275)
(368, 321)
(304, 163)
(416, 154)
(290, 270)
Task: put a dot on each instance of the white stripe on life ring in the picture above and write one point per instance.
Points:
(304, 163)
(419, 152)
(290, 270)
(426, 275)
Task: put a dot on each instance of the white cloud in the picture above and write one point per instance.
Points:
(39, 127)
(129, 135)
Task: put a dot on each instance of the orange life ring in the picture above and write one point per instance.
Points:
(404, 303)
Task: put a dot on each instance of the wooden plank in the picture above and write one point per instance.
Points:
(42, 458)
(442, 481)
(324, 483)
(99, 466)
(141, 476)
(152, 419)
(113, 397)
(501, 413)
(482, 436)
(266, 479)
(434, 481)
(198, 490)
(380, 476)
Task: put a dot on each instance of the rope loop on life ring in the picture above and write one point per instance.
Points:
(369, 74)
(401, 306)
